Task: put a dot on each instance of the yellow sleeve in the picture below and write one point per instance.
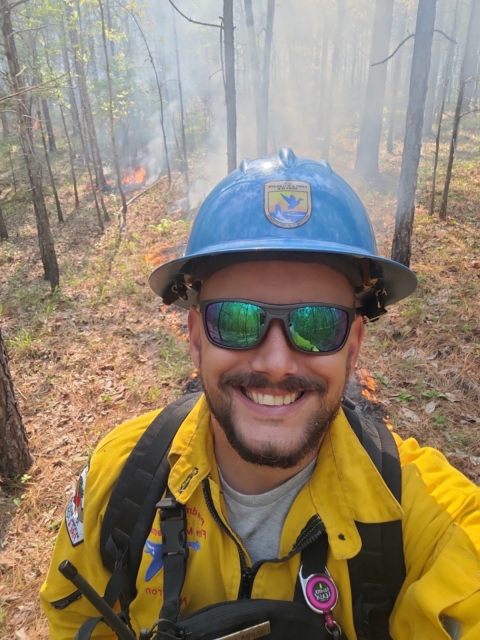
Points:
(442, 549)
(65, 610)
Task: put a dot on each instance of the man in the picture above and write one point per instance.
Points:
(280, 273)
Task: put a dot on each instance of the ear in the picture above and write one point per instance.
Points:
(355, 342)
(194, 331)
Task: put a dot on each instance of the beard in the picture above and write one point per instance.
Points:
(270, 453)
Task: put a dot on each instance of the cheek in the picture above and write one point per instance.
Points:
(214, 361)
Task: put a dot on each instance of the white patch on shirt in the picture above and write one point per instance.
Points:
(74, 510)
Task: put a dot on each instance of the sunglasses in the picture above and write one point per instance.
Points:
(242, 324)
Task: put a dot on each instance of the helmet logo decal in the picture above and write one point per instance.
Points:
(287, 204)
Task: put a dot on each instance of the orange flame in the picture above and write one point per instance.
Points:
(134, 176)
(368, 384)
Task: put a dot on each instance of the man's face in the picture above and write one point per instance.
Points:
(273, 403)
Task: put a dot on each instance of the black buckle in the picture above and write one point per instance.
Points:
(173, 521)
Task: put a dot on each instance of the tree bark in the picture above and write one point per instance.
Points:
(433, 75)
(397, 69)
(182, 109)
(123, 217)
(15, 459)
(24, 121)
(49, 167)
(229, 44)
(255, 70)
(401, 247)
(366, 164)
(267, 48)
(71, 157)
(85, 98)
(332, 90)
(470, 64)
(446, 80)
(160, 96)
(48, 124)
(470, 43)
(3, 226)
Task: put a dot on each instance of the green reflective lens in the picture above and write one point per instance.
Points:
(236, 325)
(318, 329)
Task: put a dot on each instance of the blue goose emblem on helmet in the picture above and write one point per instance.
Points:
(287, 204)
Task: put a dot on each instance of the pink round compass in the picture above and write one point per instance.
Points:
(320, 592)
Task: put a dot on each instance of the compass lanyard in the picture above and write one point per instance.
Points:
(318, 589)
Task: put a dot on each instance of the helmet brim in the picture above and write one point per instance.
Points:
(398, 281)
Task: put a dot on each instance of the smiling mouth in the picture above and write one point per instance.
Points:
(271, 400)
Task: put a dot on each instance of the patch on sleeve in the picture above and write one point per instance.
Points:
(74, 510)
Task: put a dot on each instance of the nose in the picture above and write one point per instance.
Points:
(274, 356)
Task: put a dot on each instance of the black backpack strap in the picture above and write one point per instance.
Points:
(377, 573)
(132, 505)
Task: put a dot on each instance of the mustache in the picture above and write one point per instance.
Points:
(259, 381)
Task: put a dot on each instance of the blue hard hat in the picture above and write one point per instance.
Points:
(282, 207)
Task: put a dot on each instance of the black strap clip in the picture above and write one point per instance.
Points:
(173, 523)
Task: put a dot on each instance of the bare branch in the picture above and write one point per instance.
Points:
(412, 35)
(445, 36)
(465, 113)
(28, 89)
(18, 3)
(203, 24)
(392, 54)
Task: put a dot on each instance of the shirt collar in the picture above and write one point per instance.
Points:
(345, 488)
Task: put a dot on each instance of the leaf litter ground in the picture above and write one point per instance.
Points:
(103, 350)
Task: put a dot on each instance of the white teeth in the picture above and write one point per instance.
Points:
(270, 400)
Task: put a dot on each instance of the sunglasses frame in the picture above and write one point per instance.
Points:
(278, 312)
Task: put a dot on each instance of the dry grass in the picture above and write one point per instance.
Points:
(103, 350)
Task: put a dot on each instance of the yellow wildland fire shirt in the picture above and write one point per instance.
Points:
(441, 530)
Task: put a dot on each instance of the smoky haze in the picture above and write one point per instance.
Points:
(320, 61)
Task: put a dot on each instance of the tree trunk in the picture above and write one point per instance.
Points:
(401, 248)
(48, 124)
(182, 109)
(332, 90)
(71, 157)
(470, 61)
(15, 459)
(49, 167)
(397, 69)
(4, 119)
(366, 164)
(323, 76)
(85, 98)
(267, 48)
(70, 91)
(470, 43)
(3, 226)
(123, 217)
(446, 80)
(228, 29)
(255, 69)
(45, 238)
(433, 75)
(160, 96)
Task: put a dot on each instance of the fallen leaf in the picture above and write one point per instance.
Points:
(20, 634)
(409, 414)
(430, 407)
(451, 397)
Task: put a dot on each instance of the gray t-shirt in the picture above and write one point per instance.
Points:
(258, 520)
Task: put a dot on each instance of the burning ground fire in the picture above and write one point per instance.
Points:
(134, 176)
(368, 387)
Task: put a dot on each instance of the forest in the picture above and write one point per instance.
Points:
(117, 118)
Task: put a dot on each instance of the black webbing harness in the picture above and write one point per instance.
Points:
(376, 573)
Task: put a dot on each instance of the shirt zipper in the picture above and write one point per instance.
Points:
(312, 530)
